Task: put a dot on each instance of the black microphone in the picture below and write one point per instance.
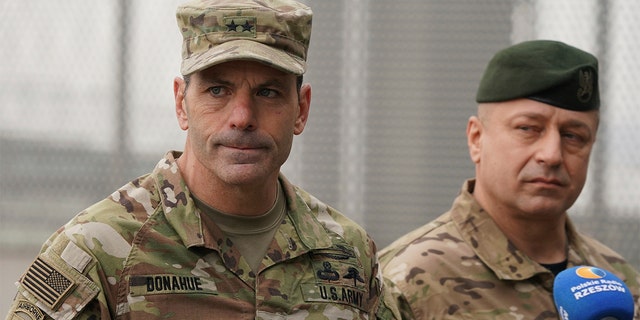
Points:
(590, 293)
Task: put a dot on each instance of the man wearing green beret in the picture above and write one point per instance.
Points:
(216, 231)
(496, 252)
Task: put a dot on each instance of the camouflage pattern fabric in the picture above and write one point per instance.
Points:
(461, 266)
(144, 253)
(275, 32)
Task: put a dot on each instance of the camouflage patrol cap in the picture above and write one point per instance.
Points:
(547, 71)
(274, 32)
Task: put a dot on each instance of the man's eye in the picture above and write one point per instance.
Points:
(574, 137)
(267, 93)
(215, 91)
(525, 128)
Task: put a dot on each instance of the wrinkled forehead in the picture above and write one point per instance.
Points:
(243, 69)
(538, 111)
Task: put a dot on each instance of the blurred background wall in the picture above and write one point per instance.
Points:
(86, 105)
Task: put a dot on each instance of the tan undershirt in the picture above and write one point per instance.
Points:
(251, 235)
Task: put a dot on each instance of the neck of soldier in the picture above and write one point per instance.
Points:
(243, 200)
(544, 240)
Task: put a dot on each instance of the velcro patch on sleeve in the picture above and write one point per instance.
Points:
(335, 294)
(75, 257)
(47, 284)
(23, 309)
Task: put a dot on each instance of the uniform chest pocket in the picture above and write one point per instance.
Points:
(339, 278)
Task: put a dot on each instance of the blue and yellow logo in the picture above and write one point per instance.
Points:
(590, 273)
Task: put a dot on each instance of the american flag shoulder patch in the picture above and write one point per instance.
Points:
(46, 283)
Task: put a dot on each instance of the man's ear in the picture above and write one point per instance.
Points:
(304, 103)
(474, 138)
(181, 107)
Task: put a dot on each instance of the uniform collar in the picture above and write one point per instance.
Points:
(181, 212)
(492, 246)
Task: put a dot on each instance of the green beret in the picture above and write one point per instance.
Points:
(547, 71)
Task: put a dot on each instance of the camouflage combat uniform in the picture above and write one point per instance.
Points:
(461, 266)
(143, 253)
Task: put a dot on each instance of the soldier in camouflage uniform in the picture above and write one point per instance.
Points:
(216, 232)
(495, 253)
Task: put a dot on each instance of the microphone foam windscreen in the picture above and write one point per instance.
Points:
(590, 293)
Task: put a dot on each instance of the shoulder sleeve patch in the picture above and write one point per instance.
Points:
(47, 284)
(23, 310)
(56, 287)
(75, 257)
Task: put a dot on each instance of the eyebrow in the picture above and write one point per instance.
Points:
(571, 123)
(207, 79)
(578, 124)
